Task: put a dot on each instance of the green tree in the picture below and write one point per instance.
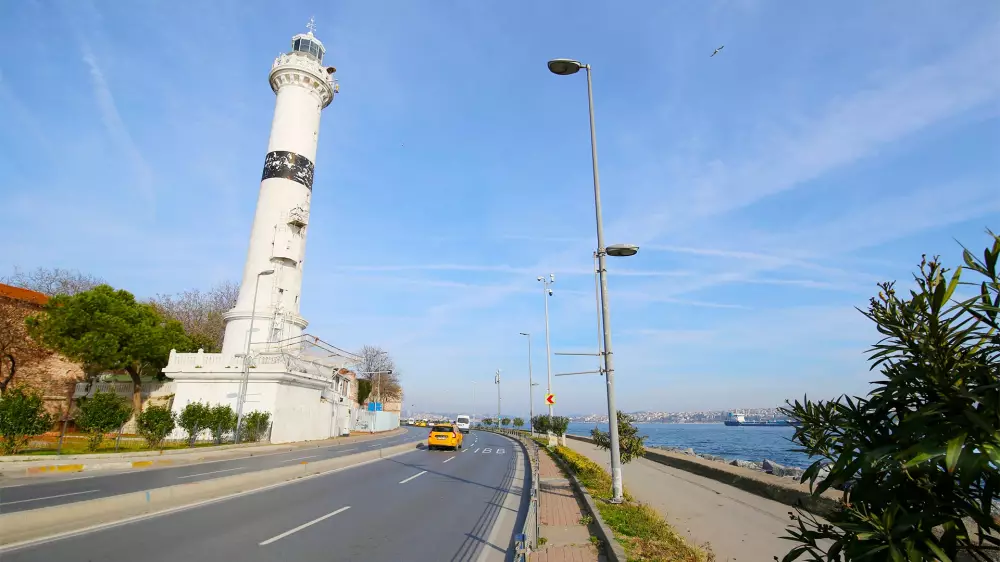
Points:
(518, 423)
(194, 418)
(505, 422)
(540, 423)
(558, 425)
(22, 415)
(102, 413)
(919, 453)
(108, 330)
(364, 390)
(488, 422)
(631, 445)
(154, 424)
(255, 426)
(221, 420)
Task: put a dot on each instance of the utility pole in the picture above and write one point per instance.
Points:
(498, 397)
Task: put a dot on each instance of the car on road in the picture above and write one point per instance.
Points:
(463, 421)
(444, 436)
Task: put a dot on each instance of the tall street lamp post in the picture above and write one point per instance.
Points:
(245, 381)
(547, 287)
(531, 388)
(565, 67)
(498, 397)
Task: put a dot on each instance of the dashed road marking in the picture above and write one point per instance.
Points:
(412, 477)
(301, 458)
(50, 497)
(303, 526)
(213, 472)
(449, 459)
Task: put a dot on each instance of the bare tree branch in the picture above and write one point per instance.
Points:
(377, 366)
(201, 314)
(52, 282)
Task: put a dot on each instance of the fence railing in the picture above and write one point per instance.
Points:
(526, 540)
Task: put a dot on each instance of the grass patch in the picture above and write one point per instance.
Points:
(643, 533)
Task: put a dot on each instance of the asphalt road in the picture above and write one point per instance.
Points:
(49, 493)
(422, 505)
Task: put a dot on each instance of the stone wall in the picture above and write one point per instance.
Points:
(51, 374)
(55, 377)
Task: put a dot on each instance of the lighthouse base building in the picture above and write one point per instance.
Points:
(268, 363)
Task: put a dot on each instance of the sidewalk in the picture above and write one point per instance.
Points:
(560, 514)
(738, 526)
(28, 466)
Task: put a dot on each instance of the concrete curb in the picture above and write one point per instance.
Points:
(20, 529)
(15, 469)
(613, 550)
(765, 485)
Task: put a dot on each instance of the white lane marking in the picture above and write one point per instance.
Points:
(301, 458)
(213, 472)
(465, 450)
(303, 526)
(20, 545)
(412, 477)
(476, 451)
(449, 459)
(345, 450)
(50, 497)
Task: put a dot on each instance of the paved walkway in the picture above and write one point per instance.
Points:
(560, 514)
(737, 525)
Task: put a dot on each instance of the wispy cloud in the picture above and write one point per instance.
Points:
(116, 127)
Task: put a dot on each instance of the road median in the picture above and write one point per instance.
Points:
(24, 527)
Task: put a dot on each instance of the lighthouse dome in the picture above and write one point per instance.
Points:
(308, 45)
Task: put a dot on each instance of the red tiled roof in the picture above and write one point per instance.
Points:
(24, 295)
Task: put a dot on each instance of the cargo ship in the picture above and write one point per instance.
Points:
(738, 419)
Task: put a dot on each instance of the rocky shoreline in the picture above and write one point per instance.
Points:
(767, 466)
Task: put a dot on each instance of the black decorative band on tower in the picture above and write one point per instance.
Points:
(288, 165)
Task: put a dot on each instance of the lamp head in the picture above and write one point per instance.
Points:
(564, 67)
(622, 250)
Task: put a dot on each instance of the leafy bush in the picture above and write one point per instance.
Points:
(255, 426)
(194, 418)
(221, 420)
(518, 423)
(558, 425)
(100, 414)
(540, 423)
(505, 422)
(631, 445)
(918, 454)
(487, 422)
(154, 424)
(22, 415)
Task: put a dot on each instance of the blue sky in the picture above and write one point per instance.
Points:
(770, 187)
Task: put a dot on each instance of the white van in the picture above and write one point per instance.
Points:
(463, 421)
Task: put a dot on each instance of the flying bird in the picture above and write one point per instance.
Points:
(715, 52)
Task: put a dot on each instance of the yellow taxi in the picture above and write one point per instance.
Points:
(444, 436)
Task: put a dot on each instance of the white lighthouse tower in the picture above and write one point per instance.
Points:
(308, 395)
(303, 87)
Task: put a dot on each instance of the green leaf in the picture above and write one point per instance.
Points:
(954, 452)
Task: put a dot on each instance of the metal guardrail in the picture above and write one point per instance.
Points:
(526, 540)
